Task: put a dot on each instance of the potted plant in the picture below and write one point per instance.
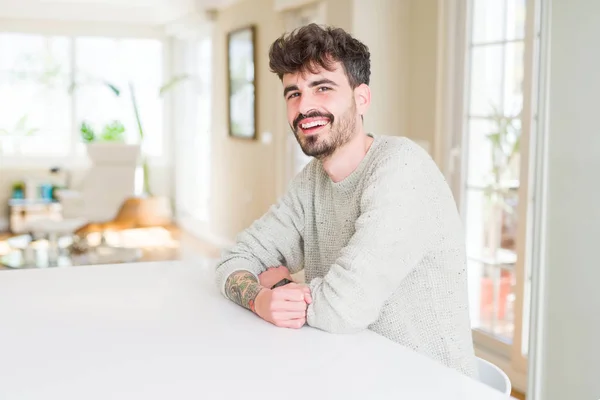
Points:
(108, 146)
(18, 190)
(503, 176)
(501, 193)
(148, 209)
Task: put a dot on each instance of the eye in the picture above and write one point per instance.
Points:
(293, 95)
(324, 88)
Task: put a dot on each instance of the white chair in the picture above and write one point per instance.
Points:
(493, 376)
(109, 181)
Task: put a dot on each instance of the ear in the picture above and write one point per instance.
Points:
(362, 97)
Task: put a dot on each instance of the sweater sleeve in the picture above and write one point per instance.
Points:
(272, 240)
(391, 236)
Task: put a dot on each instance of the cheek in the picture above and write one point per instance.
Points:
(292, 112)
(291, 117)
(340, 109)
(328, 100)
(335, 103)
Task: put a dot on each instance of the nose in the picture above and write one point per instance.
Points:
(307, 103)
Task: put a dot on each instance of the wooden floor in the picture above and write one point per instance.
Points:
(182, 246)
(193, 245)
(188, 247)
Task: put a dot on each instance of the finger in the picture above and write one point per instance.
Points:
(278, 306)
(292, 323)
(287, 315)
(286, 293)
(305, 289)
(295, 285)
(298, 286)
(308, 298)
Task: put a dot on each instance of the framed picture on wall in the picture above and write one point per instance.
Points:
(241, 78)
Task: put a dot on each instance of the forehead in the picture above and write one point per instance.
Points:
(336, 75)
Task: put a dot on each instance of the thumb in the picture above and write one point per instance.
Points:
(308, 298)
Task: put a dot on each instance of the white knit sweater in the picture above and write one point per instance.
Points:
(381, 250)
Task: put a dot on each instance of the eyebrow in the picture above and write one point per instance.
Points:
(290, 88)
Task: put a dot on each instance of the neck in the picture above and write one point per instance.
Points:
(346, 158)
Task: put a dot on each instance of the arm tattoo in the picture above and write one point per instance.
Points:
(242, 288)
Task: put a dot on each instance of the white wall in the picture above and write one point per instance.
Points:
(570, 354)
(243, 179)
(402, 36)
(422, 59)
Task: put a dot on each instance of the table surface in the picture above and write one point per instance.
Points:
(163, 331)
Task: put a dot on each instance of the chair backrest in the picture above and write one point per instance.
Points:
(493, 376)
(110, 179)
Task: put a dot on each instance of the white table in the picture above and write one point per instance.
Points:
(162, 331)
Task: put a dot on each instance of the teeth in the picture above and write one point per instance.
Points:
(313, 124)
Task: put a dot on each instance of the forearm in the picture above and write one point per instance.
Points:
(242, 288)
(338, 308)
(273, 240)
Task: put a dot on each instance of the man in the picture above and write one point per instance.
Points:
(370, 219)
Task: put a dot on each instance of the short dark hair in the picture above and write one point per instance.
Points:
(312, 46)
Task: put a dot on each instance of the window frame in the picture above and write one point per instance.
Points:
(484, 339)
(451, 153)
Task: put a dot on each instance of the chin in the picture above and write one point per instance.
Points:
(310, 141)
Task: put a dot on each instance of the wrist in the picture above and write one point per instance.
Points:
(282, 282)
(259, 299)
(272, 275)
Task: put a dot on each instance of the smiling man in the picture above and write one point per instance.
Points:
(370, 219)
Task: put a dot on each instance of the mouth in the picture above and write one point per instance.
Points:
(313, 126)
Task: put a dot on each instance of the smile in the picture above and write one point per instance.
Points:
(313, 124)
(311, 127)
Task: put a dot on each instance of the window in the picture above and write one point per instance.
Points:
(494, 134)
(491, 184)
(35, 73)
(203, 121)
(51, 85)
(120, 62)
(192, 126)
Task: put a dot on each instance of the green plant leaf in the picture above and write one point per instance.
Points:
(112, 87)
(31, 131)
(505, 144)
(72, 86)
(87, 133)
(21, 123)
(172, 83)
(113, 132)
(136, 111)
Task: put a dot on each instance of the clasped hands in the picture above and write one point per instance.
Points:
(284, 306)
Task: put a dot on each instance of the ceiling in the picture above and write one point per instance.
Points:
(153, 12)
